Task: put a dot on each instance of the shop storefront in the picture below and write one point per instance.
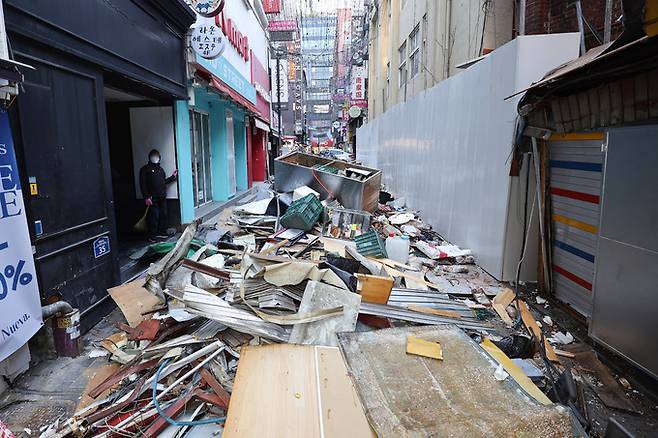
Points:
(100, 95)
(222, 127)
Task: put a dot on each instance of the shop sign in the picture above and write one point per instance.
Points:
(20, 305)
(361, 103)
(236, 38)
(208, 41)
(282, 87)
(272, 6)
(222, 69)
(207, 8)
(354, 111)
(282, 25)
(359, 75)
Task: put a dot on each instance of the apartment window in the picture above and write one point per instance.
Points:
(424, 30)
(414, 51)
(402, 69)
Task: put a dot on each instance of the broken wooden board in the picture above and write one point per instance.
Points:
(531, 323)
(97, 376)
(285, 390)
(440, 312)
(516, 372)
(421, 347)
(406, 395)
(134, 301)
(374, 289)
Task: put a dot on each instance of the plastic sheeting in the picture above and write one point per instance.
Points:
(448, 151)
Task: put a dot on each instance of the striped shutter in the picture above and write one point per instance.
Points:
(576, 172)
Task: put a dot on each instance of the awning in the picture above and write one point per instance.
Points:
(220, 86)
(261, 125)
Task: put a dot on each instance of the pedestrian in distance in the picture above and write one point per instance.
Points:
(153, 183)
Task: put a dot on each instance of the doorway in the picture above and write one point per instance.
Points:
(136, 124)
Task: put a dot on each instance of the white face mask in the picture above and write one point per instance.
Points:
(154, 159)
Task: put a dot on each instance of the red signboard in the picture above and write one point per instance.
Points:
(272, 6)
(261, 81)
(282, 25)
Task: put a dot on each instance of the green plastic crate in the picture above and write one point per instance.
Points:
(303, 213)
(370, 245)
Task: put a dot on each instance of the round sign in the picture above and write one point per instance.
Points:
(208, 41)
(207, 8)
(354, 112)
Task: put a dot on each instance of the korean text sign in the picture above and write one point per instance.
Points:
(20, 306)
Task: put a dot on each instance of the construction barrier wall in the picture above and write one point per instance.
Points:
(448, 151)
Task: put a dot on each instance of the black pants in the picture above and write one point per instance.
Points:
(157, 217)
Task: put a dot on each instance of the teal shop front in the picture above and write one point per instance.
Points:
(211, 141)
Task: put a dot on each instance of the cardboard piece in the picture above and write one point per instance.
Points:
(134, 300)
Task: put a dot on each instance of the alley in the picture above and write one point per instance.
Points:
(328, 218)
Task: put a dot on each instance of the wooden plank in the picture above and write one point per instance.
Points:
(421, 347)
(285, 390)
(341, 411)
(504, 298)
(97, 376)
(441, 312)
(516, 372)
(502, 312)
(531, 323)
(274, 393)
(134, 301)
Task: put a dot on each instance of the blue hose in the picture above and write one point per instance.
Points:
(171, 420)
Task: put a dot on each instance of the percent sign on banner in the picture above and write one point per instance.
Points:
(17, 277)
(20, 305)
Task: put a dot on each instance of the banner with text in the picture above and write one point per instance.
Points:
(20, 306)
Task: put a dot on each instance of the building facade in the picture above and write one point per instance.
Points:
(101, 93)
(414, 44)
(221, 129)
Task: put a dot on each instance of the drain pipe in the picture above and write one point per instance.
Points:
(55, 308)
(66, 327)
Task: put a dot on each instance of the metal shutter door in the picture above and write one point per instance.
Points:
(576, 164)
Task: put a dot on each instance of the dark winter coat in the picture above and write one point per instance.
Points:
(153, 181)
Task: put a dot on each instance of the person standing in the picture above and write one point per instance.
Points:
(153, 183)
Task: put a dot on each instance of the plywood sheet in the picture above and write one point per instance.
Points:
(134, 300)
(406, 395)
(286, 390)
(97, 376)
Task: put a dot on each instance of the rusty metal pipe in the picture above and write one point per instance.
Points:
(55, 308)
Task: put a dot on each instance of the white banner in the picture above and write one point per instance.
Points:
(283, 80)
(20, 305)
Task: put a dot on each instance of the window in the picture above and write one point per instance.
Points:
(402, 69)
(388, 80)
(423, 52)
(414, 50)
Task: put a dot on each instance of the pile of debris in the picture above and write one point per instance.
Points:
(287, 317)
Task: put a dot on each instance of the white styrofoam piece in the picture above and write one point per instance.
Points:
(448, 150)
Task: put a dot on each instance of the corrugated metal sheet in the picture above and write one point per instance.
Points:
(576, 169)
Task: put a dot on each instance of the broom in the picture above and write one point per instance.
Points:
(141, 225)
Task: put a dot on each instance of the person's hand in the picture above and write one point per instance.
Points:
(148, 202)
(175, 174)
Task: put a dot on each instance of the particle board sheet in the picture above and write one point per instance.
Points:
(286, 390)
(406, 395)
(134, 301)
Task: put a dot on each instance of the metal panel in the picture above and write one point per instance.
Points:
(447, 151)
(576, 163)
(624, 312)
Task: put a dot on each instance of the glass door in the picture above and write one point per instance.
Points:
(230, 143)
(201, 158)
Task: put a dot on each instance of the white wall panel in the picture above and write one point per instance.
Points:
(447, 150)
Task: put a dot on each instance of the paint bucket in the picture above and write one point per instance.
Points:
(66, 334)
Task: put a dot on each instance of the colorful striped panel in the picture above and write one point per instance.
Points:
(576, 224)
(579, 196)
(577, 165)
(575, 251)
(576, 279)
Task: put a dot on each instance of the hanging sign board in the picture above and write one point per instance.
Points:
(207, 8)
(20, 305)
(208, 41)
